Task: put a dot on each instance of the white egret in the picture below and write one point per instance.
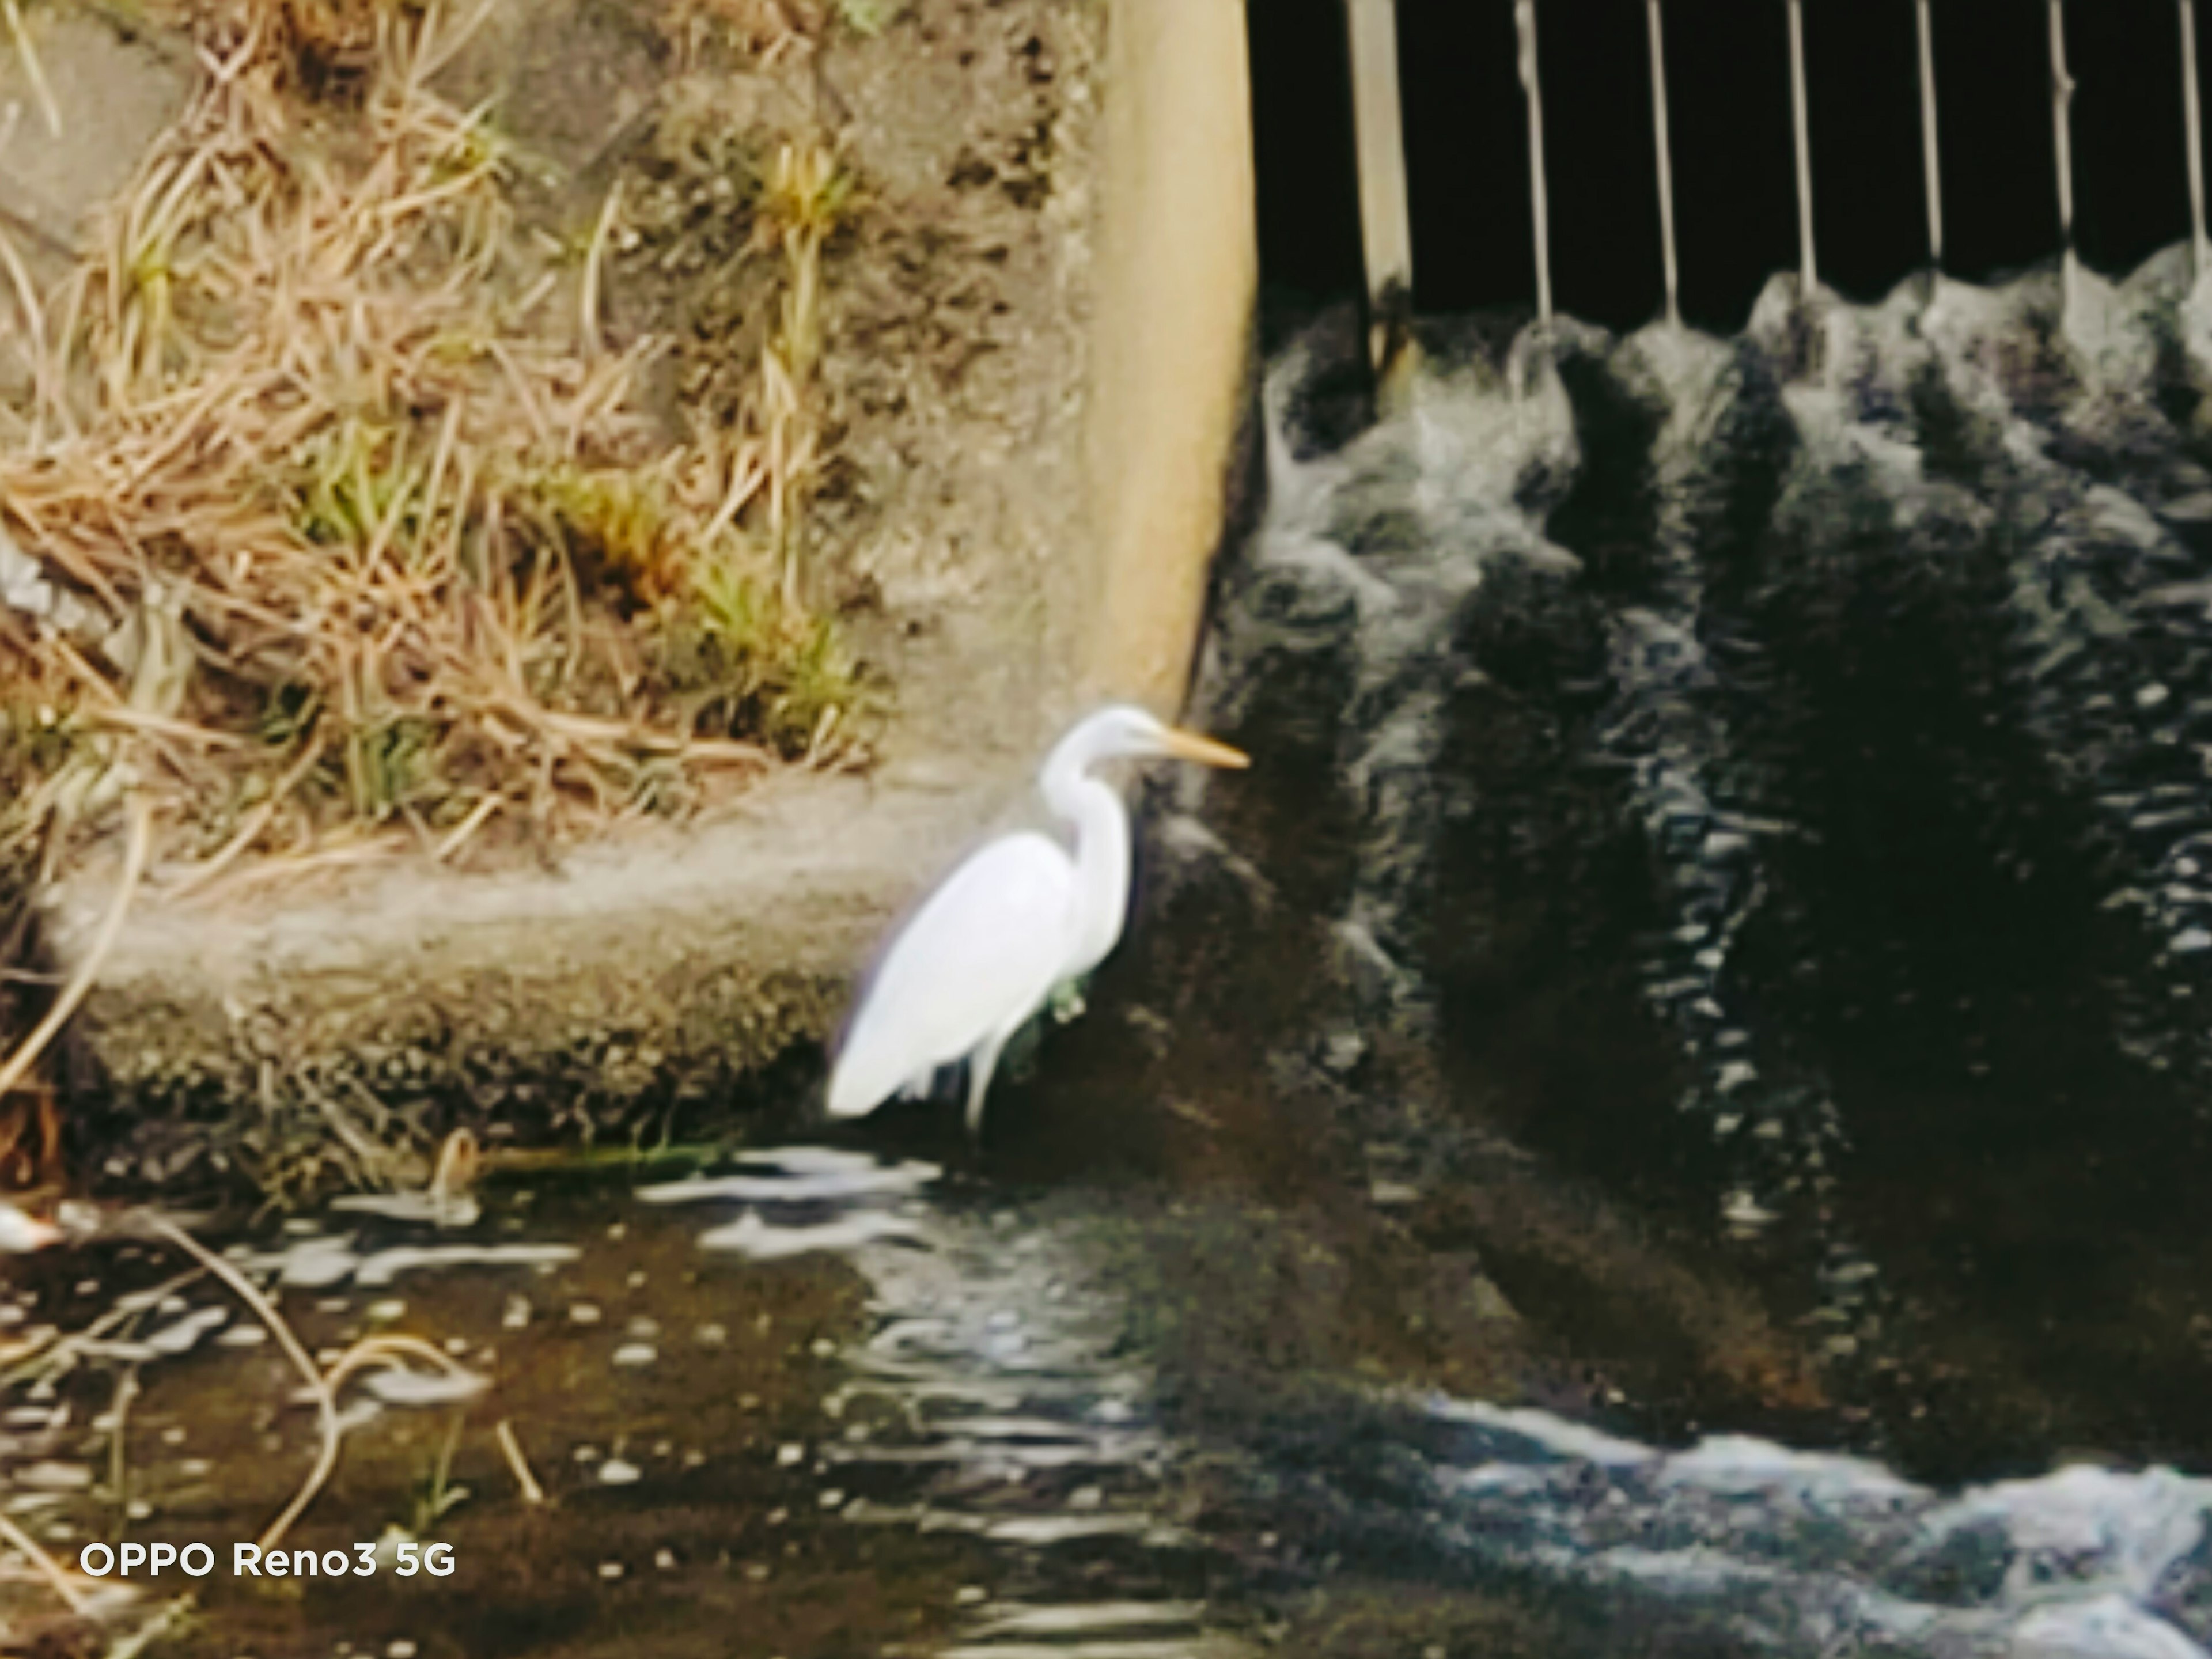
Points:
(1017, 921)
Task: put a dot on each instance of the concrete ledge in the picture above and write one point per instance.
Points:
(647, 978)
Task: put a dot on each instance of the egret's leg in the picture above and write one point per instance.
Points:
(980, 1064)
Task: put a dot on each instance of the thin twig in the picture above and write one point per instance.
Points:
(134, 865)
(33, 68)
(532, 1493)
(594, 265)
(326, 1406)
(47, 1567)
(478, 816)
(118, 1460)
(66, 1348)
(256, 820)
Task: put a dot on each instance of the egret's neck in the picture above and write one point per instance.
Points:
(1093, 809)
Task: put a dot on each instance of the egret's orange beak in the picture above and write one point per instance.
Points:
(1190, 746)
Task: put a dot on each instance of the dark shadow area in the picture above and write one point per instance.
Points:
(1733, 166)
(1309, 189)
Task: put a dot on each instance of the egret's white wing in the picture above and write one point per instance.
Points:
(981, 955)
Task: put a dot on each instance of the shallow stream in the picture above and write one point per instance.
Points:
(1666, 1114)
(820, 1402)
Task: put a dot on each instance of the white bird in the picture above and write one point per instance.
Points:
(21, 1234)
(1017, 921)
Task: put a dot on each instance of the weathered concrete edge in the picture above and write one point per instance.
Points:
(675, 968)
(647, 980)
(1171, 373)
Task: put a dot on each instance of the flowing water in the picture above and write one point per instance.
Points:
(1666, 1115)
(821, 1403)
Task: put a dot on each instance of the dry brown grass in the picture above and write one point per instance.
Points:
(369, 530)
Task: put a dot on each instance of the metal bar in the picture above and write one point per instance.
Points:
(1931, 153)
(2193, 109)
(1667, 164)
(1386, 224)
(2062, 102)
(1810, 279)
(1524, 13)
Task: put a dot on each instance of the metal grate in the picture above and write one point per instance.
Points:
(1389, 47)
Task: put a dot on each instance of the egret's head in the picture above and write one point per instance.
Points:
(1124, 732)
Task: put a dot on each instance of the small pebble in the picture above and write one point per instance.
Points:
(610, 1570)
(645, 1329)
(517, 1315)
(585, 1454)
(617, 1473)
(402, 1649)
(243, 1336)
(787, 1457)
(831, 1499)
(968, 1595)
(173, 1435)
(636, 1280)
(583, 1313)
(383, 1313)
(620, 1230)
(710, 1336)
(665, 1560)
(636, 1353)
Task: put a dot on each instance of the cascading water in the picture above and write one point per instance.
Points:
(1765, 783)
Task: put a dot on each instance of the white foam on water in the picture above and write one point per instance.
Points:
(2129, 1528)
(1739, 1466)
(1553, 1436)
(823, 1160)
(763, 1241)
(1811, 1552)
(811, 1187)
(327, 1260)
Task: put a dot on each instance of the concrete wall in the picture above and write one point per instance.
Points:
(1175, 282)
